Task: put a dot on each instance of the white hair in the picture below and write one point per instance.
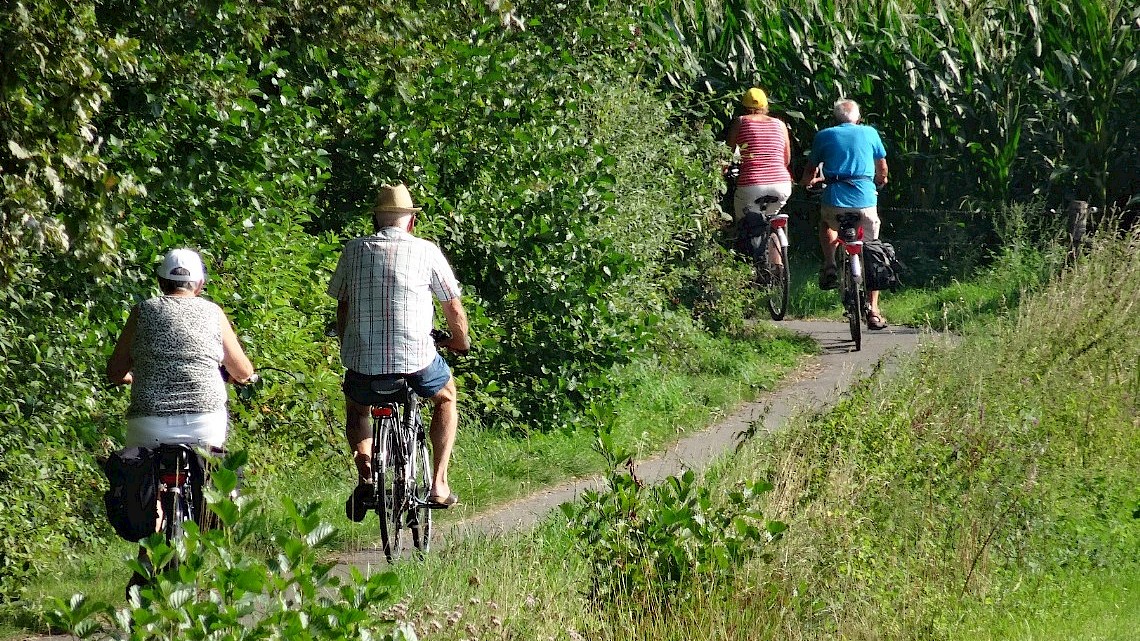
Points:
(846, 110)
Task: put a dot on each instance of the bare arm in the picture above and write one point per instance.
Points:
(787, 147)
(733, 134)
(881, 172)
(120, 363)
(811, 176)
(456, 318)
(233, 356)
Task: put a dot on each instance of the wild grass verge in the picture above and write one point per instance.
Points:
(1004, 463)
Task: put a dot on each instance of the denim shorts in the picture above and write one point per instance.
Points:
(427, 382)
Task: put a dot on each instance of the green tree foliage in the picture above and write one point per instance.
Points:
(257, 133)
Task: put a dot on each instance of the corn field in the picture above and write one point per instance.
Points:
(981, 101)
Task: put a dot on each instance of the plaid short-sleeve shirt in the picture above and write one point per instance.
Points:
(388, 280)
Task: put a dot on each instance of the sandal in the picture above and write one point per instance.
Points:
(875, 321)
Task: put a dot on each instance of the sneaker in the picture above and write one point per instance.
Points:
(359, 502)
(828, 278)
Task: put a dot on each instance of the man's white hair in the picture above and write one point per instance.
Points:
(846, 110)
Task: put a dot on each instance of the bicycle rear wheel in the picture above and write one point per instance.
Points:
(383, 483)
(777, 281)
(853, 298)
(419, 516)
(175, 513)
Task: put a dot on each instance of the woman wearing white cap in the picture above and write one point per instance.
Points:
(170, 352)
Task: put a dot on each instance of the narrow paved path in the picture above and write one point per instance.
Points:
(816, 385)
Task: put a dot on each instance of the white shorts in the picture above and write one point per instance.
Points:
(747, 194)
(870, 219)
(194, 429)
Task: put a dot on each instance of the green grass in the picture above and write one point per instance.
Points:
(987, 491)
(993, 292)
(1101, 605)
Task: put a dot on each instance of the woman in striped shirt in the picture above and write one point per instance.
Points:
(765, 153)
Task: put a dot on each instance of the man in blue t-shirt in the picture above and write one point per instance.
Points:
(851, 160)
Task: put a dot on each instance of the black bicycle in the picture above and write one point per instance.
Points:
(769, 253)
(401, 467)
(849, 268)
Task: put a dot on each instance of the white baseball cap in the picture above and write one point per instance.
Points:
(184, 265)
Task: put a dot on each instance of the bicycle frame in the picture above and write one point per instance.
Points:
(768, 242)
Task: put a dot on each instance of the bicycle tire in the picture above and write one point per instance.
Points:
(853, 300)
(419, 518)
(399, 507)
(778, 284)
(383, 481)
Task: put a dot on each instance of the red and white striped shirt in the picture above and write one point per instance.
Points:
(388, 280)
(762, 143)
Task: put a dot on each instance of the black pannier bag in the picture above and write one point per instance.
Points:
(132, 498)
(880, 266)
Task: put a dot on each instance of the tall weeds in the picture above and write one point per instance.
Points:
(1010, 456)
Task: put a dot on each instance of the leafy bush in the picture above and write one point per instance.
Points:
(656, 547)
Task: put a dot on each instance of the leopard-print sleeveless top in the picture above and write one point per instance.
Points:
(176, 352)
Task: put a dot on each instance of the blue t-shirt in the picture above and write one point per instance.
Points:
(848, 153)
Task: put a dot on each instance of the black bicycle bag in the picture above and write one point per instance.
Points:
(881, 266)
(132, 496)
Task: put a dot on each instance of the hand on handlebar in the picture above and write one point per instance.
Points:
(444, 338)
(253, 378)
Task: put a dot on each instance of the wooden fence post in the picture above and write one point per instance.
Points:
(1078, 226)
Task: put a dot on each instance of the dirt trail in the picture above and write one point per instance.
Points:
(816, 385)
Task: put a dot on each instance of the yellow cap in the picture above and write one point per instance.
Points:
(755, 99)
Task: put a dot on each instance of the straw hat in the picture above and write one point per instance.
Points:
(394, 199)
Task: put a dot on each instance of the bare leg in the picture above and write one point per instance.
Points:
(358, 431)
(444, 423)
(827, 238)
(873, 302)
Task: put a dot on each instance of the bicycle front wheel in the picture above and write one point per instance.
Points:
(777, 281)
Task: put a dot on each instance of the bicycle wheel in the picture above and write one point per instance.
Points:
(853, 299)
(383, 481)
(399, 510)
(419, 516)
(176, 512)
(777, 281)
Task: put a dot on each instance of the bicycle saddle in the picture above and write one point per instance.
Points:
(392, 390)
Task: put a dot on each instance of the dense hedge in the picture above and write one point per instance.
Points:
(550, 173)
